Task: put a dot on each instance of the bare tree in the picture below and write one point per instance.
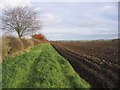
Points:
(23, 20)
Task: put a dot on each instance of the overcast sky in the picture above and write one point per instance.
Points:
(74, 20)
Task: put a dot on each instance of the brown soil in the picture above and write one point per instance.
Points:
(99, 72)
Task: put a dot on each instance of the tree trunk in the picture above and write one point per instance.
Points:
(19, 35)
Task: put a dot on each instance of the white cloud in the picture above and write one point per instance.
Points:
(110, 9)
(78, 33)
(98, 22)
(107, 8)
(76, 1)
(14, 3)
(39, 9)
(50, 18)
(99, 18)
(81, 31)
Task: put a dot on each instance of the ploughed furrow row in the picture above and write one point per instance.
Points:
(96, 67)
(108, 71)
(92, 72)
(106, 68)
(110, 67)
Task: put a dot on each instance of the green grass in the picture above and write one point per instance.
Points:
(41, 67)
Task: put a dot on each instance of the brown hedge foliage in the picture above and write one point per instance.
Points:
(15, 44)
(27, 43)
(5, 46)
(40, 37)
(35, 41)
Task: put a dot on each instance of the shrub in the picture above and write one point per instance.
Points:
(15, 44)
(35, 41)
(0, 49)
(40, 37)
(5, 47)
(27, 43)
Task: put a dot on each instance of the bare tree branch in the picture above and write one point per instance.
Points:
(22, 20)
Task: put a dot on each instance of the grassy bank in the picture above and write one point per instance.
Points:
(41, 67)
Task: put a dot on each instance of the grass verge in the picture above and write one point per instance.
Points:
(41, 67)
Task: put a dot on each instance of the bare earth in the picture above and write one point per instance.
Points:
(95, 61)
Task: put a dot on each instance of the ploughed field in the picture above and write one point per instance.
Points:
(95, 61)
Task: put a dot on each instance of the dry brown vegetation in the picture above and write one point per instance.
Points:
(27, 43)
(13, 45)
(95, 61)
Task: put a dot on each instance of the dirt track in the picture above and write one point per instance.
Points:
(99, 75)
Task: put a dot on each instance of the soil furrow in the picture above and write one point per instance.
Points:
(90, 71)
